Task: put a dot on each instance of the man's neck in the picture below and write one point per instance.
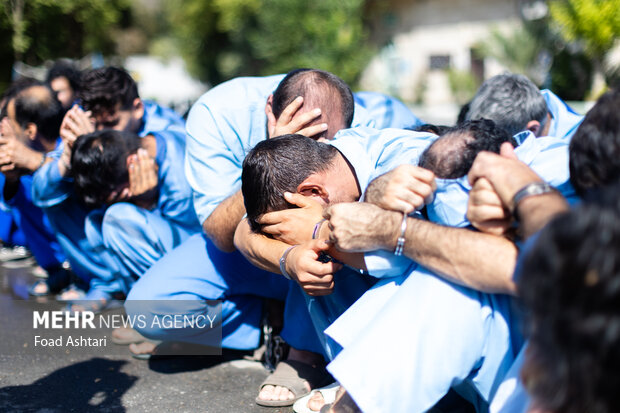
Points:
(545, 130)
(42, 145)
(347, 174)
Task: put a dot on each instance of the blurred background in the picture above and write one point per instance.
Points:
(432, 54)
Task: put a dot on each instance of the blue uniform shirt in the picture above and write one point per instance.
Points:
(547, 156)
(50, 190)
(565, 120)
(175, 194)
(386, 111)
(229, 120)
(158, 118)
(372, 153)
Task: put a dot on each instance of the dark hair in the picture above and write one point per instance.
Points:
(428, 127)
(462, 116)
(99, 164)
(595, 147)
(279, 165)
(323, 89)
(62, 68)
(570, 289)
(42, 109)
(17, 86)
(510, 100)
(102, 89)
(452, 155)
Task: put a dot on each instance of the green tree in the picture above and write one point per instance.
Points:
(594, 23)
(48, 29)
(221, 39)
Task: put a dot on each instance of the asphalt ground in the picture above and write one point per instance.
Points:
(111, 380)
(48, 383)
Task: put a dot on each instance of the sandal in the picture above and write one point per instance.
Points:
(58, 278)
(328, 393)
(326, 408)
(293, 375)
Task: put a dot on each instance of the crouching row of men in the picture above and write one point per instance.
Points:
(398, 293)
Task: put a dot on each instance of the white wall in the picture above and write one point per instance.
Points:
(423, 28)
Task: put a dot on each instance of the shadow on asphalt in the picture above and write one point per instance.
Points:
(181, 364)
(93, 384)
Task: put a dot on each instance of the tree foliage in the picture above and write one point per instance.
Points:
(221, 39)
(47, 29)
(519, 50)
(595, 23)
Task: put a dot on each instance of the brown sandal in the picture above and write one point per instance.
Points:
(293, 375)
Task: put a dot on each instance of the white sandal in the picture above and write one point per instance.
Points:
(329, 396)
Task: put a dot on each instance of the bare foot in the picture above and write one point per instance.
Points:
(316, 401)
(41, 289)
(70, 295)
(90, 305)
(146, 347)
(126, 335)
(269, 392)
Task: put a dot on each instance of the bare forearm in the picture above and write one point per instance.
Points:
(261, 251)
(534, 212)
(64, 162)
(221, 224)
(32, 160)
(265, 252)
(480, 261)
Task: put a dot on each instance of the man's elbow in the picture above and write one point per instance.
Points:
(221, 239)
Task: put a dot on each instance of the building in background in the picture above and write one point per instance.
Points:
(429, 40)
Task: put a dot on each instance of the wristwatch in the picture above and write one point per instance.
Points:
(531, 189)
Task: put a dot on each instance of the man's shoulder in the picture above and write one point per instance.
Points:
(241, 91)
(383, 136)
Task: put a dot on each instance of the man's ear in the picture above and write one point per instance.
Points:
(137, 108)
(269, 106)
(313, 188)
(534, 127)
(271, 119)
(31, 131)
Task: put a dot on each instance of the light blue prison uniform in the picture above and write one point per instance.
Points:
(213, 275)
(138, 237)
(229, 120)
(222, 127)
(565, 120)
(386, 111)
(67, 215)
(511, 396)
(39, 236)
(410, 339)
(9, 231)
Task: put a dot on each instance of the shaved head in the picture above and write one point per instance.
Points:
(319, 89)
